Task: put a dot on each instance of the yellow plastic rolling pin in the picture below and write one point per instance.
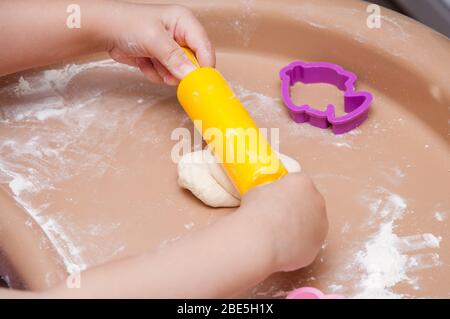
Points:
(228, 129)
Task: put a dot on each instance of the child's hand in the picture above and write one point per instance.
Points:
(292, 213)
(150, 36)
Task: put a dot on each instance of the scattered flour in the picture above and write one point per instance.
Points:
(19, 184)
(440, 216)
(383, 264)
(335, 288)
(342, 144)
(49, 113)
(23, 87)
(387, 259)
(57, 79)
(34, 157)
(264, 108)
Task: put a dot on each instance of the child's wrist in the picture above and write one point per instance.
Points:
(99, 22)
(260, 235)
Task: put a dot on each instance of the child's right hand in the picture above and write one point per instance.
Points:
(292, 214)
(149, 36)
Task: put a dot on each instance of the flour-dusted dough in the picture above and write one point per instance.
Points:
(200, 173)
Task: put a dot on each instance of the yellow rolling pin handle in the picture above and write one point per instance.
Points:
(191, 56)
(228, 129)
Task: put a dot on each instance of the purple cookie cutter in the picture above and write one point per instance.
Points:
(356, 104)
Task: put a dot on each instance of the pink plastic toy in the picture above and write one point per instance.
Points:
(311, 293)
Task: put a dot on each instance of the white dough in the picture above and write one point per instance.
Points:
(200, 173)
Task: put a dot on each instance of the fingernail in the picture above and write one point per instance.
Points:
(186, 68)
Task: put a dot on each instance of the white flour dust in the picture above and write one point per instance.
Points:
(84, 135)
(440, 216)
(264, 108)
(388, 259)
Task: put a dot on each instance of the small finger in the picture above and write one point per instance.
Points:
(169, 54)
(118, 57)
(148, 69)
(191, 33)
(167, 77)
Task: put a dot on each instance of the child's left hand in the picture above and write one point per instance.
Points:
(150, 36)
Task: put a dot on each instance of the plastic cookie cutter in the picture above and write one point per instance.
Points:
(311, 293)
(356, 104)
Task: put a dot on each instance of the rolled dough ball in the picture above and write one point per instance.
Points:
(200, 173)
